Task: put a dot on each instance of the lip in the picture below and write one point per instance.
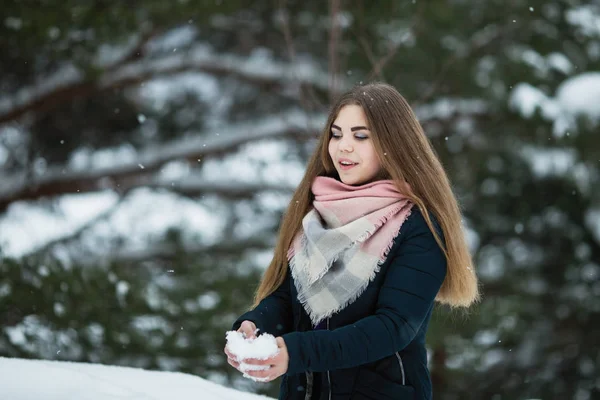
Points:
(346, 167)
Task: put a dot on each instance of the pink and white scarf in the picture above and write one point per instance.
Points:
(346, 237)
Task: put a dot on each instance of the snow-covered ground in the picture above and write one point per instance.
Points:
(60, 380)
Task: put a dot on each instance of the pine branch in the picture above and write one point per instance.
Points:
(70, 83)
(140, 172)
(168, 252)
(194, 187)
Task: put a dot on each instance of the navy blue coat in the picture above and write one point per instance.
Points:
(375, 347)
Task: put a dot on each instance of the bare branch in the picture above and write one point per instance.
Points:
(287, 32)
(485, 38)
(289, 41)
(371, 57)
(393, 46)
(334, 34)
(61, 180)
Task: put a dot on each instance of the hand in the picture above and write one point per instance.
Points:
(248, 329)
(278, 364)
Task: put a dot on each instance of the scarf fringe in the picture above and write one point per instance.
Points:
(302, 293)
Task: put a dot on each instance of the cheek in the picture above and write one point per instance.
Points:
(331, 149)
(373, 160)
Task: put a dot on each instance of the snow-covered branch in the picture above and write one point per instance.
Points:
(77, 233)
(167, 252)
(70, 82)
(258, 70)
(194, 186)
(140, 172)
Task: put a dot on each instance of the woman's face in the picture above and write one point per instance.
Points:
(351, 147)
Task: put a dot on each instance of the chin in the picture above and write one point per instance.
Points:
(352, 181)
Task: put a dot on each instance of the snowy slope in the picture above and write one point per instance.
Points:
(59, 380)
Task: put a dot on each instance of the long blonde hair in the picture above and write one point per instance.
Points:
(406, 155)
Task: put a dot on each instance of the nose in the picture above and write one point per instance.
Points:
(345, 145)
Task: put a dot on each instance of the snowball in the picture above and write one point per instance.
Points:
(261, 348)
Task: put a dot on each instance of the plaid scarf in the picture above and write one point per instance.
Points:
(345, 238)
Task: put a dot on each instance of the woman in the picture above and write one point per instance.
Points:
(371, 238)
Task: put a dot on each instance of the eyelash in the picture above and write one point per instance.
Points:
(338, 136)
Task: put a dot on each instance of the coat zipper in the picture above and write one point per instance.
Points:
(328, 377)
(309, 385)
(309, 374)
(401, 367)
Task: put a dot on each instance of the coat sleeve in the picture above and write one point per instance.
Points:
(412, 281)
(274, 313)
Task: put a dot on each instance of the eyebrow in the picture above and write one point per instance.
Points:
(354, 128)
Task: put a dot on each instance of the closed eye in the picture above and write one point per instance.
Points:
(359, 136)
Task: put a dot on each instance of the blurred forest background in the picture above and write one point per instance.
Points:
(147, 152)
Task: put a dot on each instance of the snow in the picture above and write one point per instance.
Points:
(593, 222)
(445, 107)
(245, 165)
(560, 62)
(181, 36)
(192, 145)
(86, 158)
(20, 227)
(527, 98)
(259, 67)
(581, 95)
(26, 227)
(3, 154)
(577, 96)
(158, 92)
(13, 23)
(109, 54)
(22, 379)
(261, 348)
(549, 162)
(586, 19)
(543, 65)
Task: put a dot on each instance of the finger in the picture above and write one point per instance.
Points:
(245, 333)
(248, 333)
(255, 361)
(262, 374)
(248, 328)
(273, 360)
(230, 354)
(233, 363)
